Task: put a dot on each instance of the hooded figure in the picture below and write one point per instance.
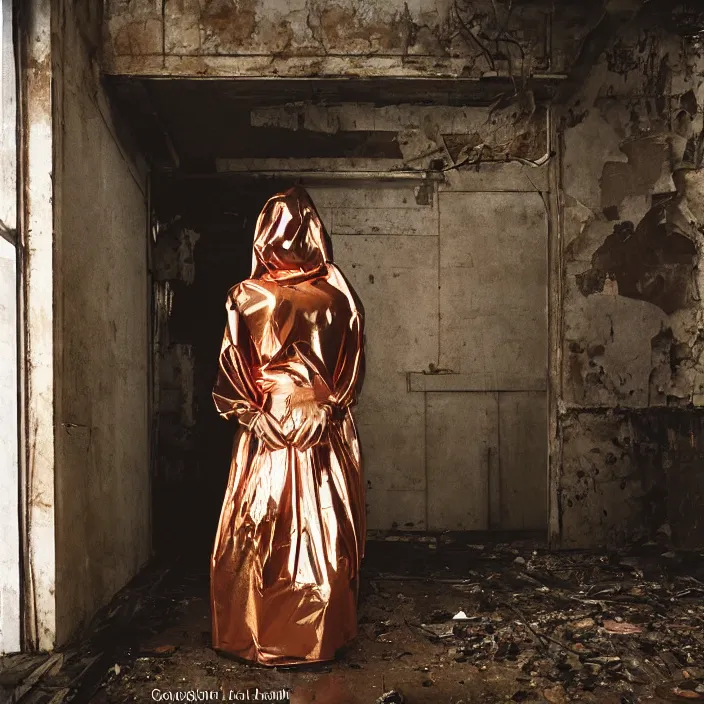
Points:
(284, 569)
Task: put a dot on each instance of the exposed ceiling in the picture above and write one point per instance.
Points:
(190, 123)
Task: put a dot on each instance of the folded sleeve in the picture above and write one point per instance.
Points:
(349, 374)
(235, 393)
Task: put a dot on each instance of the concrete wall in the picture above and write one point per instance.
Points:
(101, 299)
(457, 38)
(632, 372)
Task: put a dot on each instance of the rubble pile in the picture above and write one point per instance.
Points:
(630, 620)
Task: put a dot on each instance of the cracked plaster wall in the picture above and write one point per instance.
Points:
(633, 324)
(467, 38)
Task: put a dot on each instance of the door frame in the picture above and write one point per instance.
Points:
(35, 21)
(10, 553)
(555, 206)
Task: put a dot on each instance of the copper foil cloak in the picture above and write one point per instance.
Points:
(285, 565)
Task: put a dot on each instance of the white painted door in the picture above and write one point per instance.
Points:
(9, 448)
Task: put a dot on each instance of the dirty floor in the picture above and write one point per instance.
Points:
(440, 621)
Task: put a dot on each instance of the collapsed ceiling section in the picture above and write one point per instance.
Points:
(196, 126)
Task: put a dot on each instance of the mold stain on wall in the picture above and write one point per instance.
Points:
(633, 316)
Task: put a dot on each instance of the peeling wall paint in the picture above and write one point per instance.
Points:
(630, 227)
(463, 38)
(633, 319)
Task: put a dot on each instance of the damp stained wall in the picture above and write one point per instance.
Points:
(102, 508)
(632, 377)
(306, 38)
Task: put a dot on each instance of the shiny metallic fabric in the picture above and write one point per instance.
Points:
(284, 569)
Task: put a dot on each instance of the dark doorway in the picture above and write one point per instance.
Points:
(202, 249)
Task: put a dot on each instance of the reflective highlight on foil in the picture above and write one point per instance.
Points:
(285, 565)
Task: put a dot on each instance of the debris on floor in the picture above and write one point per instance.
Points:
(440, 620)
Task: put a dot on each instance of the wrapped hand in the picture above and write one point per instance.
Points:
(268, 430)
(309, 423)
